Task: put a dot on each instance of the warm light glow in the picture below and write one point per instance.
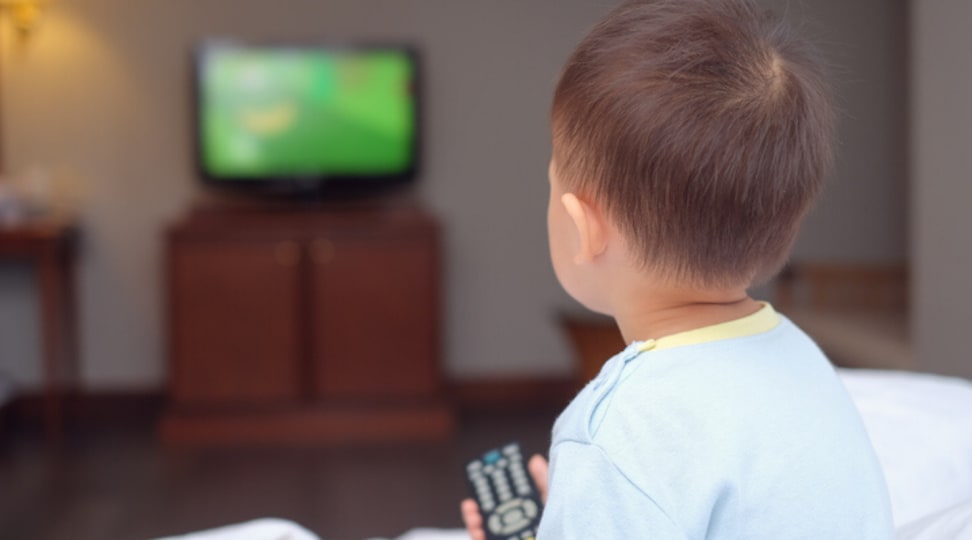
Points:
(25, 14)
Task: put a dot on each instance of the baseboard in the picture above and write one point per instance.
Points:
(88, 409)
(514, 393)
(314, 425)
(99, 409)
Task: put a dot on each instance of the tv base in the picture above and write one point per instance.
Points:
(304, 325)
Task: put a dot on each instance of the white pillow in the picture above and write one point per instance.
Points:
(258, 529)
(954, 523)
(921, 428)
(434, 534)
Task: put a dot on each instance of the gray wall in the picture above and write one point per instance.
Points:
(942, 185)
(100, 97)
(862, 216)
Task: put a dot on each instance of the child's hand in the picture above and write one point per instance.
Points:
(470, 510)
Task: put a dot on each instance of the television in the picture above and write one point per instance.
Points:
(306, 119)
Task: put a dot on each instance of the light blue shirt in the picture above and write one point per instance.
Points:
(745, 438)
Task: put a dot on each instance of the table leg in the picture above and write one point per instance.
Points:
(52, 296)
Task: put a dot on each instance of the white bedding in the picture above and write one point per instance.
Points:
(951, 524)
(259, 529)
(921, 428)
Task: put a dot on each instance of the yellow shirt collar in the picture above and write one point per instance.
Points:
(764, 320)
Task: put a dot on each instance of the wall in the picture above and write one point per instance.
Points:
(942, 169)
(100, 97)
(863, 214)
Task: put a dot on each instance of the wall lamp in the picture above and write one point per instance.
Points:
(24, 14)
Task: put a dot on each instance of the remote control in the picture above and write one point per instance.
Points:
(508, 499)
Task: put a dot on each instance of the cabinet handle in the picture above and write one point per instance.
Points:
(322, 251)
(287, 253)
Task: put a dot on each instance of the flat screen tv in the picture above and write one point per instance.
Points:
(306, 119)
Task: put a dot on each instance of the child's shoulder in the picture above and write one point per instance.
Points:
(711, 389)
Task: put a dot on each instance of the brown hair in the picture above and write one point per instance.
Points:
(703, 127)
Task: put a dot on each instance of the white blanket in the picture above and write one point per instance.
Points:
(259, 529)
(921, 428)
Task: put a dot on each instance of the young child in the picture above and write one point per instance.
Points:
(690, 139)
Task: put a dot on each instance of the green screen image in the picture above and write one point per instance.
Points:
(273, 112)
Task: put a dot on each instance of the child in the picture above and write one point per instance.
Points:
(690, 138)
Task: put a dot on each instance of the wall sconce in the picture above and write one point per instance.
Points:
(24, 14)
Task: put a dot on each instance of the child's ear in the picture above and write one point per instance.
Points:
(589, 224)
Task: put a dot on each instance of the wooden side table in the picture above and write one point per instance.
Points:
(50, 247)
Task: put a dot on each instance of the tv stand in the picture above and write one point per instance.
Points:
(300, 325)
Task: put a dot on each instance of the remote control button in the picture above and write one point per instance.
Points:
(511, 450)
(489, 469)
(509, 505)
(530, 508)
(514, 515)
(492, 457)
(502, 488)
(514, 526)
(495, 524)
(502, 463)
(522, 486)
(474, 466)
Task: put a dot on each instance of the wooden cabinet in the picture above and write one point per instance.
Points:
(236, 327)
(373, 300)
(304, 326)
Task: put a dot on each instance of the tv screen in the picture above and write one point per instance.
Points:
(306, 117)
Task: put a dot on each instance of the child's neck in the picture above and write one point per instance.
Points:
(659, 313)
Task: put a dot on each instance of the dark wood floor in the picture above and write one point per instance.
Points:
(118, 483)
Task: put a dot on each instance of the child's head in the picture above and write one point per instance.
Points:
(701, 129)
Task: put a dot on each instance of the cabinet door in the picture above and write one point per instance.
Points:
(374, 321)
(235, 321)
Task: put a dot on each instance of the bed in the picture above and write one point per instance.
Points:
(921, 428)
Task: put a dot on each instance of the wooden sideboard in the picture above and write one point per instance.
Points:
(304, 326)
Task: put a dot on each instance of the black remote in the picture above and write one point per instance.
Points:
(508, 499)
